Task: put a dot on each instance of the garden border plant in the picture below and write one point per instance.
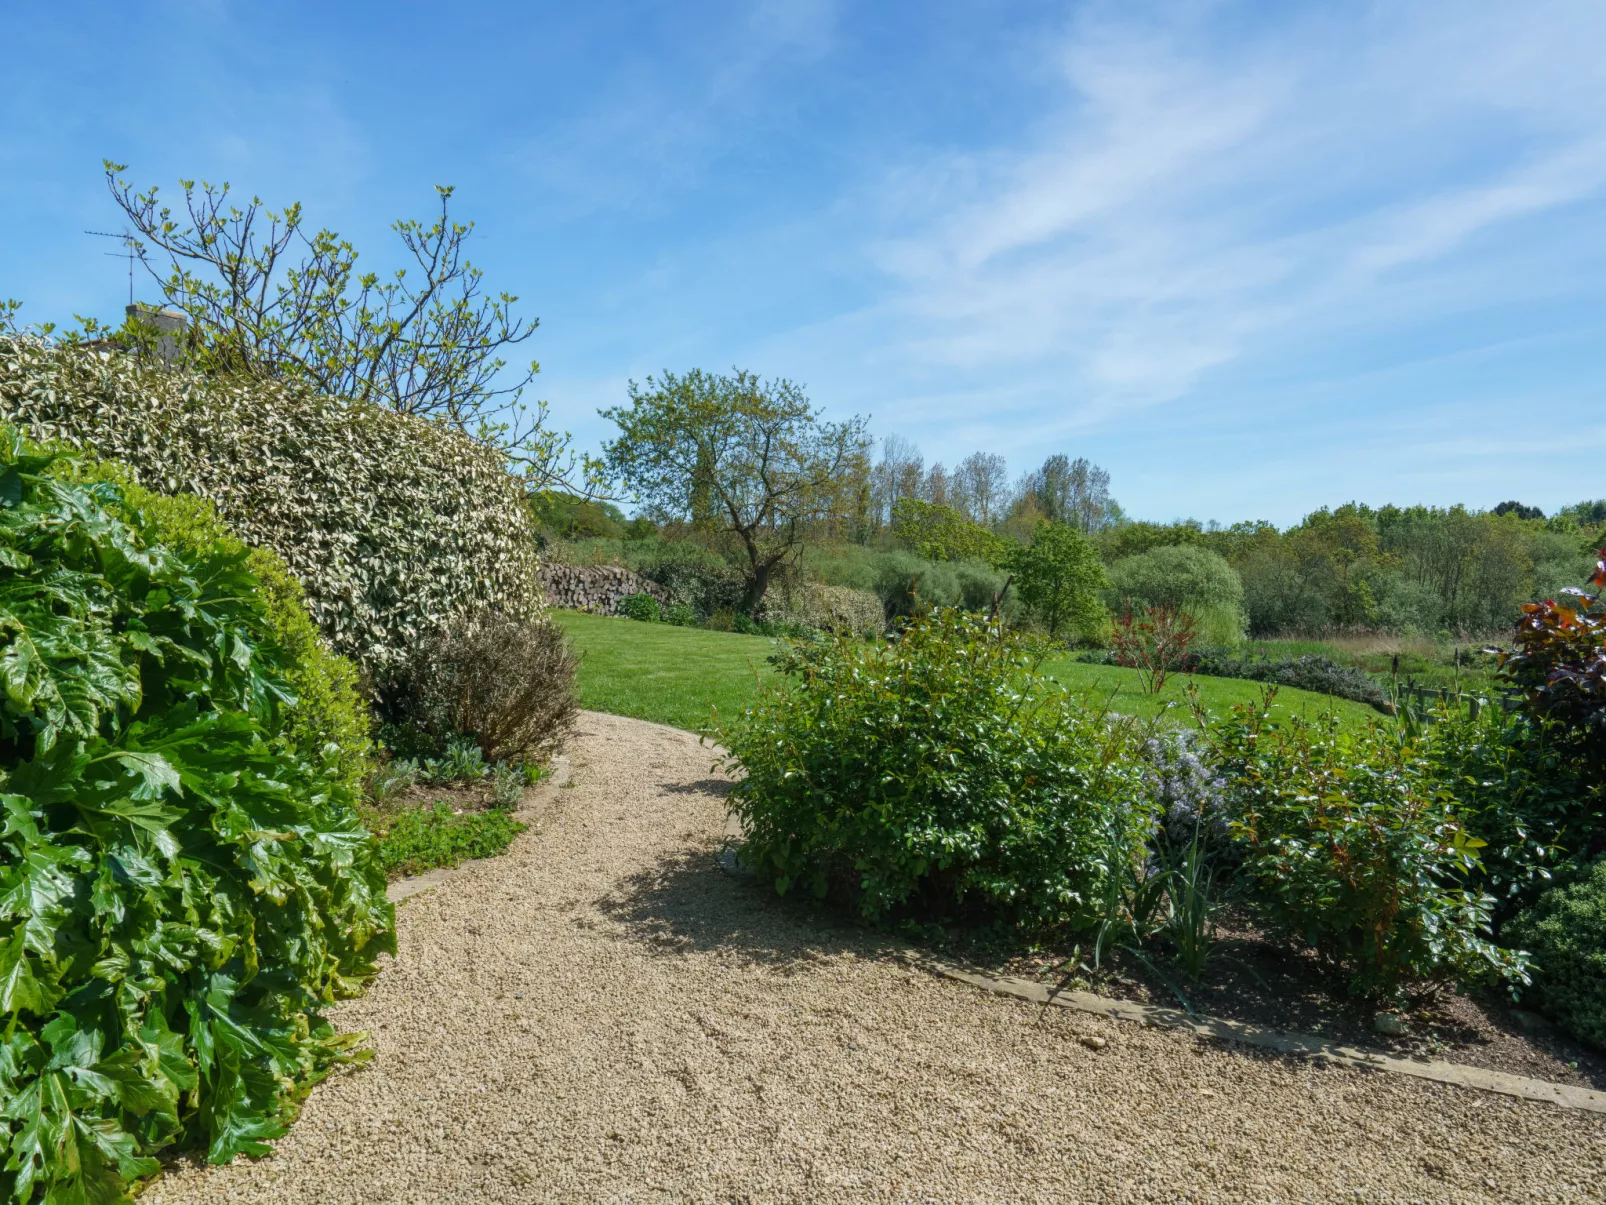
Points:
(394, 525)
(187, 889)
(936, 775)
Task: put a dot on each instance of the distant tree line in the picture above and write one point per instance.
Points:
(751, 470)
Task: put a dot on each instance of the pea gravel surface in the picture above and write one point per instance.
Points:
(604, 1014)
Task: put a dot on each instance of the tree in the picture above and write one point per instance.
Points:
(899, 474)
(1514, 507)
(748, 460)
(1076, 492)
(1185, 579)
(940, 533)
(263, 296)
(1059, 577)
(981, 487)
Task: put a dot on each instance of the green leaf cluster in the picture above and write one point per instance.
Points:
(937, 774)
(941, 533)
(1566, 930)
(1351, 844)
(329, 709)
(1059, 577)
(181, 891)
(395, 525)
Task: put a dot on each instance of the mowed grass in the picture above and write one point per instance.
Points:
(679, 676)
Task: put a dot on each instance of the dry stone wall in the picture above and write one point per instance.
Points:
(595, 588)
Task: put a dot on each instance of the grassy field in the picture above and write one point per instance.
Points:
(677, 675)
(1427, 662)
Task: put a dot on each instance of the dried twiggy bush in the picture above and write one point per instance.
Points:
(506, 682)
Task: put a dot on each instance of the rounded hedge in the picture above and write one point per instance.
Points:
(181, 889)
(936, 774)
(394, 525)
(1565, 931)
(1187, 578)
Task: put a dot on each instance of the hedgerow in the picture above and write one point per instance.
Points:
(181, 890)
(394, 525)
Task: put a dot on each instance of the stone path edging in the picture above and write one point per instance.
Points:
(403, 889)
(1564, 1095)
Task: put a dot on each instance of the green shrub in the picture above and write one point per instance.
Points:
(680, 615)
(1188, 578)
(940, 533)
(508, 684)
(642, 607)
(1565, 931)
(329, 707)
(1058, 577)
(692, 572)
(1521, 786)
(1350, 846)
(936, 774)
(900, 579)
(394, 525)
(837, 608)
(413, 840)
(188, 891)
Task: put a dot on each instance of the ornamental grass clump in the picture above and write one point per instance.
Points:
(937, 775)
(181, 889)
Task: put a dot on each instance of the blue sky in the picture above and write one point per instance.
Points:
(1253, 258)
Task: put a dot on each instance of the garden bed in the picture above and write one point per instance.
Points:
(429, 825)
(1257, 980)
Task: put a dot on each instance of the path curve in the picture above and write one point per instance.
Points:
(604, 1015)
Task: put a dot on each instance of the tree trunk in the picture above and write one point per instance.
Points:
(758, 583)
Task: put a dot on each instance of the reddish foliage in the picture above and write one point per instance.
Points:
(1154, 642)
(1559, 658)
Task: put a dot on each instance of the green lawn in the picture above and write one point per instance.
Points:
(675, 675)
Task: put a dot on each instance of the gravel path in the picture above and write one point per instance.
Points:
(603, 1015)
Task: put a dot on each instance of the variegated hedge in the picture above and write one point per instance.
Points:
(394, 524)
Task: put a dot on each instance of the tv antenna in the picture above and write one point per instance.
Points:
(131, 250)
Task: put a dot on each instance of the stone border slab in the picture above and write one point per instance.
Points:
(403, 889)
(1306, 1045)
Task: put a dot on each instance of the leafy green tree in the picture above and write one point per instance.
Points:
(940, 533)
(1059, 577)
(1183, 577)
(1074, 492)
(749, 461)
(264, 296)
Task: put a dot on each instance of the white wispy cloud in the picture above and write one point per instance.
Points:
(1189, 198)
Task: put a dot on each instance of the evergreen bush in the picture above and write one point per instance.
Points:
(188, 890)
(394, 525)
(1565, 931)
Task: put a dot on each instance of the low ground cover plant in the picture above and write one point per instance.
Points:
(412, 840)
(188, 888)
(936, 775)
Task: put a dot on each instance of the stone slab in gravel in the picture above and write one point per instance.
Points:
(605, 1015)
